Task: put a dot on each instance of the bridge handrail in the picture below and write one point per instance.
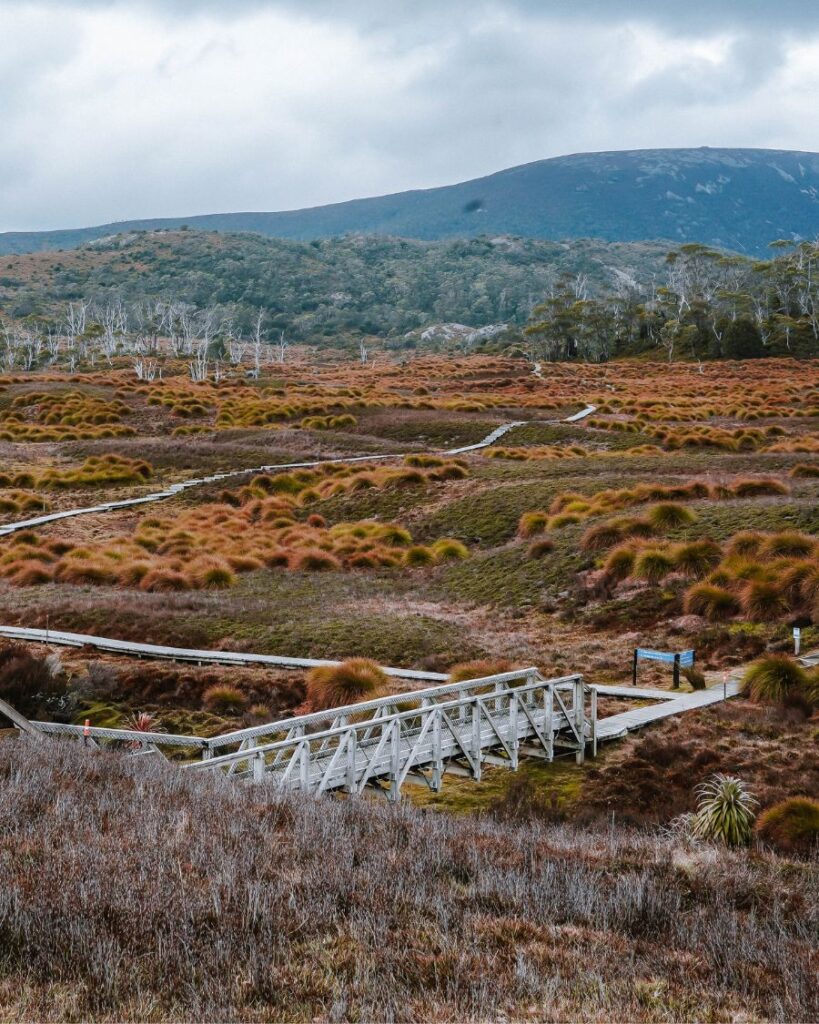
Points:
(371, 705)
(205, 743)
(126, 735)
(369, 723)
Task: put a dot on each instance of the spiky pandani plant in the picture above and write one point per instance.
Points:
(725, 812)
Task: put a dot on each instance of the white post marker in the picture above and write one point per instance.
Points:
(797, 639)
(725, 685)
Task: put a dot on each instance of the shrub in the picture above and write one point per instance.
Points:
(794, 578)
(394, 535)
(82, 571)
(563, 519)
(258, 714)
(162, 580)
(620, 563)
(224, 699)
(762, 600)
(314, 560)
(698, 557)
(759, 487)
(450, 471)
(357, 679)
(725, 812)
(31, 573)
(773, 677)
(712, 602)
(694, 677)
(791, 826)
(217, 576)
(539, 548)
(653, 565)
(602, 536)
(466, 670)
(745, 544)
(28, 683)
(141, 721)
(789, 544)
(531, 523)
(244, 563)
(447, 549)
(423, 461)
(277, 558)
(805, 470)
(419, 555)
(668, 516)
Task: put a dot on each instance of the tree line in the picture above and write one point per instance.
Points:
(705, 305)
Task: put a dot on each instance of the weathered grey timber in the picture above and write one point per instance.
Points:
(417, 737)
(582, 414)
(616, 726)
(810, 659)
(410, 737)
(200, 657)
(207, 657)
(18, 720)
(384, 743)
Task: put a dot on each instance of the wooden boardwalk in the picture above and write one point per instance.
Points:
(110, 506)
(617, 726)
(810, 659)
(409, 737)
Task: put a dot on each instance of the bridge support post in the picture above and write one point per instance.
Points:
(395, 757)
(476, 740)
(580, 718)
(512, 735)
(352, 747)
(304, 766)
(258, 768)
(438, 761)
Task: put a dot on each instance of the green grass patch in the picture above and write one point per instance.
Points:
(509, 578)
(558, 785)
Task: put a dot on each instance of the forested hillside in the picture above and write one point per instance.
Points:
(320, 290)
(585, 300)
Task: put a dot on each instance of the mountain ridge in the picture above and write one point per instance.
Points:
(739, 199)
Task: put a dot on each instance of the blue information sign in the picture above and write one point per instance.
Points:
(681, 659)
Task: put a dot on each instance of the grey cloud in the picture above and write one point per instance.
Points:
(749, 64)
(690, 16)
(430, 93)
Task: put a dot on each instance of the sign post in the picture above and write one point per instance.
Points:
(797, 640)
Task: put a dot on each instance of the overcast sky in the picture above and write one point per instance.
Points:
(114, 110)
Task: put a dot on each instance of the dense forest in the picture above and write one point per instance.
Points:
(706, 305)
(586, 300)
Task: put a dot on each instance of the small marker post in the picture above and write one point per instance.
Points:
(797, 640)
(725, 685)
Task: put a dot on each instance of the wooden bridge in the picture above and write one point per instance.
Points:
(407, 737)
(382, 744)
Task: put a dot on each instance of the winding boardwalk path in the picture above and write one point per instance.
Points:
(174, 489)
(663, 704)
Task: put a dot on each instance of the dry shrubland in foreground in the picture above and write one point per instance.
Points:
(130, 891)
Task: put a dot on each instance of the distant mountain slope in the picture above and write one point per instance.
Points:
(327, 288)
(737, 199)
